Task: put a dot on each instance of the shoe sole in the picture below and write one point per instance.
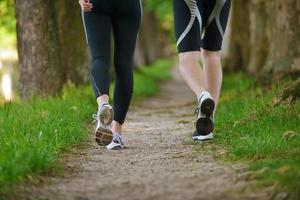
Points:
(203, 137)
(104, 135)
(117, 147)
(206, 125)
(208, 107)
(106, 116)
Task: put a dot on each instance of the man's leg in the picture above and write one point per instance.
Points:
(191, 71)
(215, 17)
(188, 24)
(213, 74)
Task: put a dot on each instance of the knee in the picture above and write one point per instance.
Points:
(94, 68)
(211, 55)
(188, 59)
(99, 64)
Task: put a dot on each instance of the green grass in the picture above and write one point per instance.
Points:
(147, 78)
(160, 71)
(34, 133)
(252, 130)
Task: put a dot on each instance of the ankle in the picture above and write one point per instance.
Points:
(102, 100)
(202, 93)
(117, 127)
(120, 135)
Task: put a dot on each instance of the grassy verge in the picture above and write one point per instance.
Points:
(146, 79)
(252, 130)
(35, 132)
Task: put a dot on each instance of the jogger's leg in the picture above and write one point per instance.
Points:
(98, 30)
(215, 17)
(212, 72)
(208, 19)
(125, 29)
(188, 29)
(188, 24)
(191, 71)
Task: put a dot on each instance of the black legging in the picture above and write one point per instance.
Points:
(123, 18)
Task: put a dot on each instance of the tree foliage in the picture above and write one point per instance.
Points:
(7, 23)
(163, 10)
(7, 17)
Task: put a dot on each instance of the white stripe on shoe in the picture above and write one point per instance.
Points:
(116, 144)
(203, 137)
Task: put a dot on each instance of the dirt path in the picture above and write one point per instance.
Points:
(156, 163)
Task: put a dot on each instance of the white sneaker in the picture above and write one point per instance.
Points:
(104, 118)
(116, 143)
(204, 123)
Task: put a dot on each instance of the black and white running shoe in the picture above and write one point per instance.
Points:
(204, 123)
(116, 143)
(104, 118)
(200, 137)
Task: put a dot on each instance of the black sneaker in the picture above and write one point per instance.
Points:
(204, 123)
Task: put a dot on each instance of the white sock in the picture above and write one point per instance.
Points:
(202, 94)
(119, 135)
(101, 105)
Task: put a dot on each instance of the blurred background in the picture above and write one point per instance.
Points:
(43, 52)
(262, 39)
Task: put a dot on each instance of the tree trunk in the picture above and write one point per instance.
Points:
(284, 55)
(151, 43)
(73, 45)
(240, 34)
(259, 42)
(38, 48)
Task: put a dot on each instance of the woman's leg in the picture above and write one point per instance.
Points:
(125, 29)
(98, 32)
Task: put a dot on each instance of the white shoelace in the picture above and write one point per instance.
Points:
(95, 117)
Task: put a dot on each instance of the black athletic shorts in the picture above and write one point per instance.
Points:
(200, 24)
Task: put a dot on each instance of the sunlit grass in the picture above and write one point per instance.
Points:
(35, 132)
